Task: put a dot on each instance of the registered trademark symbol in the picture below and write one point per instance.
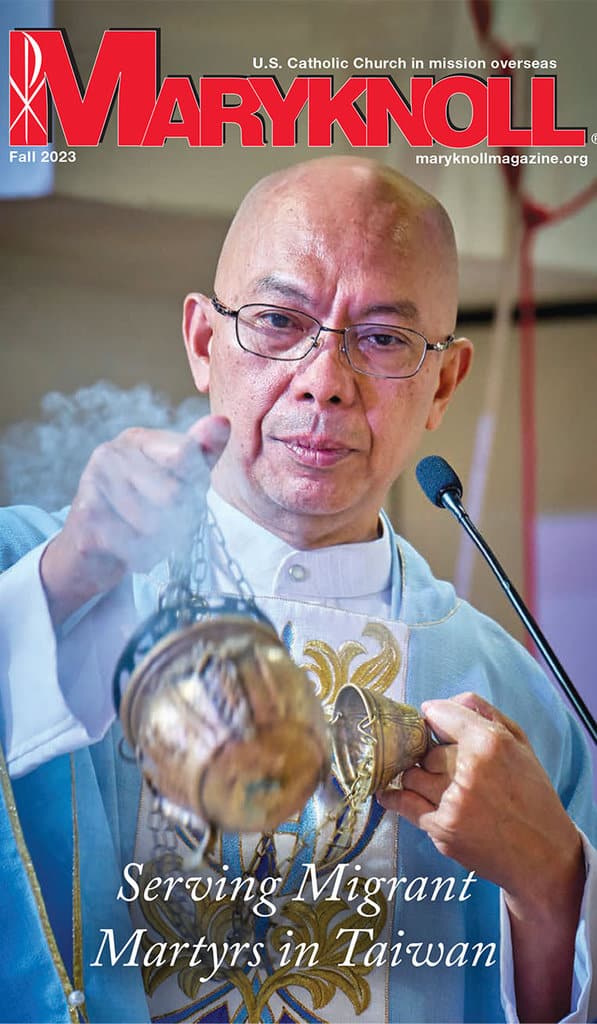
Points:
(594, 138)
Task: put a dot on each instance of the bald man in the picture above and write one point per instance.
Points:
(327, 350)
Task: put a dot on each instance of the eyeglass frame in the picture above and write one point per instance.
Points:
(440, 346)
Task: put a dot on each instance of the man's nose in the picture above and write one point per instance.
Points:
(325, 375)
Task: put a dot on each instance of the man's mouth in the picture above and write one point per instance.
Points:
(319, 452)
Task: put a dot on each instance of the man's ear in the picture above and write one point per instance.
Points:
(197, 332)
(456, 364)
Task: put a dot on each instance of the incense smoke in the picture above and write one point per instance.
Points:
(41, 462)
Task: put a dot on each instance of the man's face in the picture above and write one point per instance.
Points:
(314, 445)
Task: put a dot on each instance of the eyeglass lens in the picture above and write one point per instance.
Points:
(379, 349)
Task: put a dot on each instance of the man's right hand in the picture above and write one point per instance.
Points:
(138, 500)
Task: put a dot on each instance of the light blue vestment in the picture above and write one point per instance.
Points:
(452, 648)
(31, 988)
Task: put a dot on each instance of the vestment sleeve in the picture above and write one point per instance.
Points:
(55, 688)
(583, 1006)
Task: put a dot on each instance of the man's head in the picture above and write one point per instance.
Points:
(315, 445)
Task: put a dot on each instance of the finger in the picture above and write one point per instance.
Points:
(448, 720)
(426, 784)
(176, 453)
(441, 759)
(109, 536)
(124, 527)
(453, 722)
(488, 711)
(140, 493)
(211, 433)
(131, 472)
(105, 533)
(475, 703)
(409, 805)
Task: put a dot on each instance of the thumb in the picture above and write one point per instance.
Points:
(211, 434)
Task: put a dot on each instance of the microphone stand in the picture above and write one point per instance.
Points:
(450, 499)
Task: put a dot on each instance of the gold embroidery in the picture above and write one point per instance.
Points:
(332, 669)
(318, 925)
(77, 912)
(321, 924)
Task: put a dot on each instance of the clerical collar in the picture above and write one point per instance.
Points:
(275, 568)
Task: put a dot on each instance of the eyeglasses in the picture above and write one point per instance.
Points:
(377, 350)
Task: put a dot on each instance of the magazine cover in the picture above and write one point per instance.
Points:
(298, 304)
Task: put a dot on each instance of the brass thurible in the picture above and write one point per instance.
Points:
(227, 730)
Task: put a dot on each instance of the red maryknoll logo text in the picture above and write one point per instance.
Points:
(44, 75)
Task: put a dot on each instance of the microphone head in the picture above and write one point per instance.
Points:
(436, 476)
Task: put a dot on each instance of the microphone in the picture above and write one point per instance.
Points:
(437, 478)
(443, 488)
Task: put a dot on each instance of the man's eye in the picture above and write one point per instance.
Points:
(274, 320)
(379, 340)
(278, 320)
